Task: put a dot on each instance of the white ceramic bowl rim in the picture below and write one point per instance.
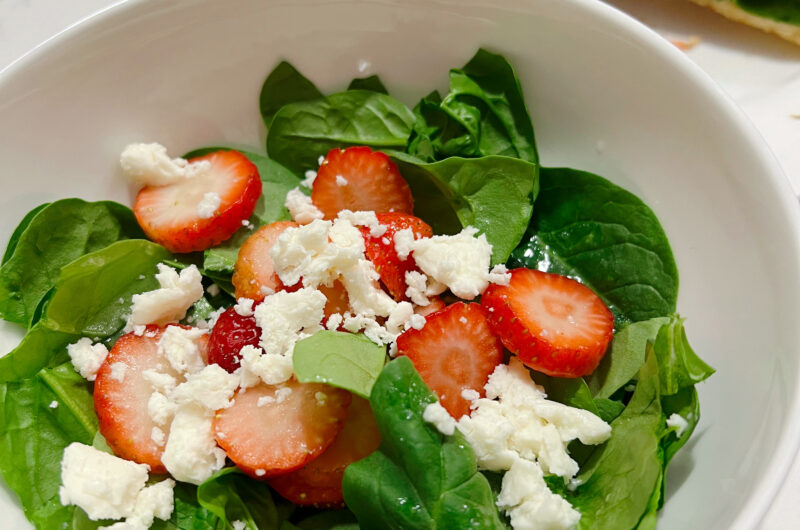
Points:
(775, 474)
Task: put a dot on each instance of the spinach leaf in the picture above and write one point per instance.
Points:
(587, 228)
(372, 83)
(19, 230)
(345, 360)
(492, 193)
(91, 298)
(679, 366)
(33, 436)
(618, 480)
(60, 233)
(435, 134)
(624, 358)
(276, 181)
(418, 478)
(330, 520)
(301, 132)
(233, 496)
(284, 85)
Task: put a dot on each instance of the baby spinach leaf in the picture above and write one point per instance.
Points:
(491, 193)
(20, 229)
(233, 496)
(34, 433)
(687, 405)
(435, 134)
(345, 360)
(330, 520)
(624, 358)
(60, 233)
(587, 228)
(679, 366)
(372, 83)
(284, 85)
(276, 181)
(618, 480)
(303, 131)
(418, 478)
(91, 298)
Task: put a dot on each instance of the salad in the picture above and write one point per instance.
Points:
(395, 318)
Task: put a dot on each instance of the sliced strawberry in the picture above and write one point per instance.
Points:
(455, 350)
(169, 214)
(284, 434)
(436, 304)
(554, 324)
(121, 396)
(360, 179)
(253, 273)
(380, 250)
(338, 301)
(319, 483)
(231, 332)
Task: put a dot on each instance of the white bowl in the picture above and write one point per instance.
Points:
(188, 74)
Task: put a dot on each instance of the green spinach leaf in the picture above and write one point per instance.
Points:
(418, 478)
(19, 230)
(587, 228)
(345, 360)
(679, 366)
(284, 85)
(233, 496)
(372, 83)
(60, 233)
(492, 193)
(303, 131)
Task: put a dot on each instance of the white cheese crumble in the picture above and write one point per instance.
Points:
(470, 394)
(179, 347)
(158, 436)
(87, 357)
(239, 525)
(170, 302)
(301, 208)
(334, 321)
(191, 454)
(437, 415)
(366, 219)
(677, 422)
(341, 181)
(499, 275)
(212, 388)
(213, 290)
(420, 287)
(310, 177)
(118, 370)
(285, 318)
(149, 165)
(208, 205)
(244, 307)
(53, 404)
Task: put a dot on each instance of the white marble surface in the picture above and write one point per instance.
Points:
(760, 72)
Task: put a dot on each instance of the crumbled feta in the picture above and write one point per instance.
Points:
(341, 181)
(139, 330)
(158, 436)
(170, 302)
(149, 165)
(301, 208)
(101, 484)
(53, 404)
(161, 381)
(499, 275)
(285, 318)
(255, 365)
(239, 525)
(208, 205)
(399, 319)
(403, 242)
(212, 388)
(438, 416)
(529, 503)
(160, 408)
(260, 472)
(417, 321)
(310, 177)
(677, 422)
(87, 357)
(321, 398)
(516, 420)
(213, 289)
(179, 347)
(118, 370)
(191, 454)
(244, 307)
(321, 160)
(334, 321)
(470, 394)
(365, 219)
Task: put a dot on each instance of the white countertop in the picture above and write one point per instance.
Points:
(760, 72)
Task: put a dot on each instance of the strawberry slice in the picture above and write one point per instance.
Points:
(380, 250)
(360, 179)
(230, 334)
(319, 483)
(288, 430)
(338, 300)
(172, 215)
(121, 393)
(253, 274)
(554, 324)
(455, 350)
(436, 304)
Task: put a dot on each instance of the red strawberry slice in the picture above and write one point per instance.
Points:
(436, 304)
(380, 250)
(285, 433)
(121, 396)
(554, 324)
(360, 179)
(319, 483)
(169, 214)
(230, 334)
(253, 273)
(337, 299)
(455, 350)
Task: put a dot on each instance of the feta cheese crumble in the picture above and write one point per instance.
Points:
(437, 415)
(191, 453)
(244, 307)
(170, 302)
(149, 165)
(677, 422)
(301, 208)
(208, 205)
(87, 357)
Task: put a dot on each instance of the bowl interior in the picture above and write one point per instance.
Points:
(605, 95)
